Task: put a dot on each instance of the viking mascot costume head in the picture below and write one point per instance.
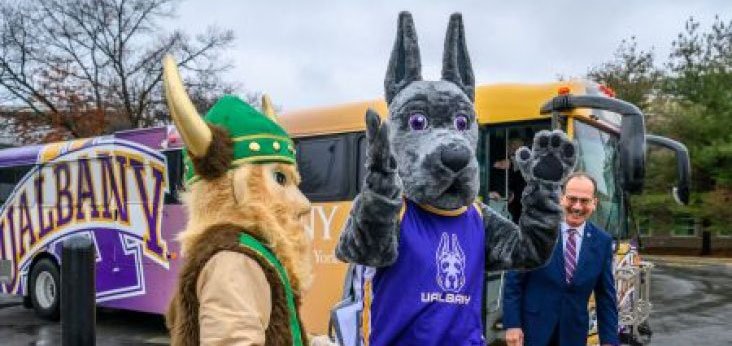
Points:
(246, 255)
(416, 219)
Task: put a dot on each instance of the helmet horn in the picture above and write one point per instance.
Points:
(196, 134)
(268, 108)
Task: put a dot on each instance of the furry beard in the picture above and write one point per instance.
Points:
(245, 198)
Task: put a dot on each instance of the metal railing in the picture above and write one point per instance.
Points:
(639, 306)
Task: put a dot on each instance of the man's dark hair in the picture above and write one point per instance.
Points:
(580, 174)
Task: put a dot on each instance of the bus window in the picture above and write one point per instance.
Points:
(9, 179)
(361, 161)
(504, 181)
(597, 157)
(322, 162)
(174, 159)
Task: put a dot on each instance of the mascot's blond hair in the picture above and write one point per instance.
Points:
(241, 192)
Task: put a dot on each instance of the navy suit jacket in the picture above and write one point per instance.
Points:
(541, 300)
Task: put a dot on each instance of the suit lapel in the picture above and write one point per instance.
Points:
(586, 250)
(558, 258)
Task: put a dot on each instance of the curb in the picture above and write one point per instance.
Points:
(688, 260)
(4, 305)
(7, 300)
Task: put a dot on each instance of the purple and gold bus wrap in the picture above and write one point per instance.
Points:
(118, 190)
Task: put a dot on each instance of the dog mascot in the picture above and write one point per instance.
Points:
(247, 257)
(415, 220)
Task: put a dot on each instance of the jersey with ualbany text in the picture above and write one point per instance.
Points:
(432, 294)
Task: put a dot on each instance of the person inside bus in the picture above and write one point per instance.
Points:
(508, 175)
(548, 306)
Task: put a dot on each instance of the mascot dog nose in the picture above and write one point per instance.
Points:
(455, 158)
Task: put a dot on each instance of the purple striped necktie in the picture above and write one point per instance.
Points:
(570, 254)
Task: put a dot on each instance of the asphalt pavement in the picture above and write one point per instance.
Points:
(20, 326)
(692, 300)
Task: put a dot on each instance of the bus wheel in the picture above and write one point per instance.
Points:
(45, 289)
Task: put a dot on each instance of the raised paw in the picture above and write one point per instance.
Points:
(381, 167)
(551, 159)
(380, 157)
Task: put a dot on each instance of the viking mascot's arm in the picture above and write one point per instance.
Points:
(370, 236)
(235, 301)
(530, 243)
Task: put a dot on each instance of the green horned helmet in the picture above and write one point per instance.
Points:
(236, 132)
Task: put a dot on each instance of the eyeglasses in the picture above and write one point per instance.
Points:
(582, 200)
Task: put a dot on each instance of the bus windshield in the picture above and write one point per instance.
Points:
(598, 157)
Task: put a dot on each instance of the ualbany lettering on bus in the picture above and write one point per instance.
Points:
(109, 189)
(322, 227)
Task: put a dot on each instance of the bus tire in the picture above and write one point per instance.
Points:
(45, 289)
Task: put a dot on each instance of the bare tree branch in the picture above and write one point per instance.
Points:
(99, 58)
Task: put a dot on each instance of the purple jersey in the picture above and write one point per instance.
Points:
(432, 294)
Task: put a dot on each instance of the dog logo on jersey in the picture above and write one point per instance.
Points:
(450, 264)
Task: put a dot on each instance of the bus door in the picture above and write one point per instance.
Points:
(501, 187)
(10, 178)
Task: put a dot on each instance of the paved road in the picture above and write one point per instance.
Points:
(692, 306)
(692, 303)
(19, 326)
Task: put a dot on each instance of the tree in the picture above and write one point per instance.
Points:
(65, 63)
(700, 79)
(690, 99)
(632, 73)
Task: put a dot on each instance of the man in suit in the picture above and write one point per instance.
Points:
(548, 306)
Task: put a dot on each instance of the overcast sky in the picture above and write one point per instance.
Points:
(317, 52)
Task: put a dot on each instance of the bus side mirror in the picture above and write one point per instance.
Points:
(633, 150)
(632, 133)
(680, 192)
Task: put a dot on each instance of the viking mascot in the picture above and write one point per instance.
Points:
(416, 220)
(246, 255)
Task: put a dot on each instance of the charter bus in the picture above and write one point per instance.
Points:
(609, 133)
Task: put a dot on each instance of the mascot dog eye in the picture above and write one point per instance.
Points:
(462, 122)
(418, 122)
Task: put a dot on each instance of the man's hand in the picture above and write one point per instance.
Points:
(502, 164)
(515, 337)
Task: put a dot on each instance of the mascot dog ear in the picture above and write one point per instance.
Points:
(456, 65)
(405, 65)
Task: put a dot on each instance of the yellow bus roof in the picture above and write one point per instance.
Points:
(494, 103)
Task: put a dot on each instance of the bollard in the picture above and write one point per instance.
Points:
(78, 292)
(706, 249)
